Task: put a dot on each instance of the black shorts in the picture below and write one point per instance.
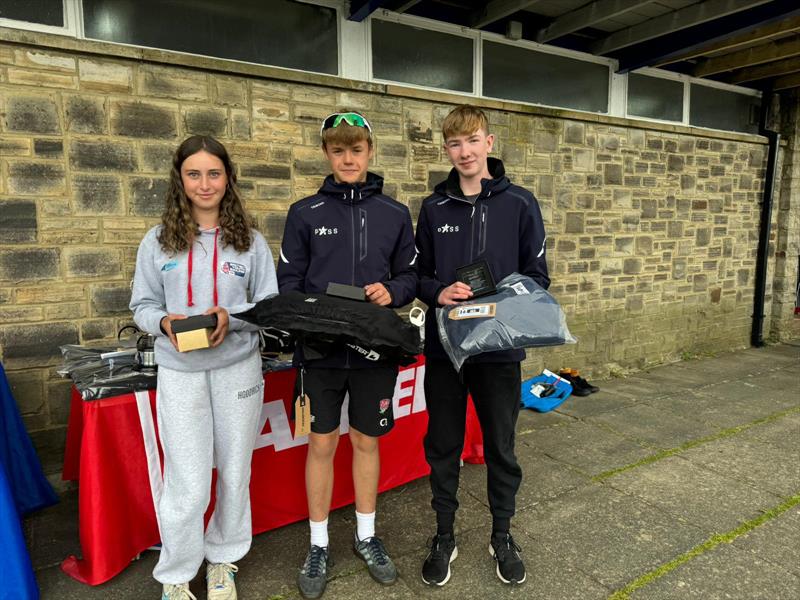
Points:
(370, 410)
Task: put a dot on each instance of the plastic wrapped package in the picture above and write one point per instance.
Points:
(104, 371)
(520, 314)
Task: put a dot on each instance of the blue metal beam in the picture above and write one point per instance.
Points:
(361, 10)
(661, 49)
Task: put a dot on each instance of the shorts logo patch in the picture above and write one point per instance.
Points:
(169, 266)
(232, 268)
(384, 405)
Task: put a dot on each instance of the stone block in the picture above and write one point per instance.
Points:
(545, 141)
(283, 132)
(98, 329)
(29, 264)
(49, 445)
(426, 153)
(40, 78)
(33, 345)
(229, 91)
(102, 156)
(147, 196)
(574, 133)
(15, 147)
(156, 158)
(105, 76)
(632, 266)
(206, 121)
(18, 221)
(31, 114)
(574, 222)
(97, 194)
(59, 399)
(45, 148)
(27, 390)
(143, 120)
(702, 236)
(644, 245)
(649, 209)
(264, 171)
(92, 262)
(175, 83)
(623, 245)
(36, 178)
(110, 300)
(612, 174)
(240, 124)
(85, 114)
(44, 60)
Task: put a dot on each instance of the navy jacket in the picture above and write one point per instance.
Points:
(352, 234)
(504, 227)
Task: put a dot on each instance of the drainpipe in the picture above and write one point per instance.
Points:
(774, 138)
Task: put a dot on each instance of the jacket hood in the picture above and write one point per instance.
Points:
(498, 183)
(354, 191)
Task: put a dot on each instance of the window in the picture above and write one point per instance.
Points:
(280, 32)
(723, 109)
(515, 73)
(655, 98)
(43, 12)
(421, 57)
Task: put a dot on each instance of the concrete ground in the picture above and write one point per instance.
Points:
(679, 482)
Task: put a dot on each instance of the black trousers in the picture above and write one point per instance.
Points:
(495, 390)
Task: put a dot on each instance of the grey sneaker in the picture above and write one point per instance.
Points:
(313, 575)
(380, 566)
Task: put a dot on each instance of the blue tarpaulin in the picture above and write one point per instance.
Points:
(29, 488)
(16, 574)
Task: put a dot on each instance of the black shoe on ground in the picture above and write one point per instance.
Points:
(436, 568)
(505, 551)
(313, 575)
(587, 385)
(578, 389)
(380, 566)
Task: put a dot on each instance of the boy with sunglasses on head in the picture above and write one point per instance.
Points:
(349, 232)
(476, 215)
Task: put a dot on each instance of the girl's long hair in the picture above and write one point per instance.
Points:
(179, 229)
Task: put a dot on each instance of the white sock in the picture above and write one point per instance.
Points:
(365, 525)
(319, 533)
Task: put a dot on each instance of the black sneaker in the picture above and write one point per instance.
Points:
(380, 566)
(578, 388)
(504, 550)
(313, 575)
(436, 568)
(592, 388)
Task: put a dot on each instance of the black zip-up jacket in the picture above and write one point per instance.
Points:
(503, 226)
(352, 234)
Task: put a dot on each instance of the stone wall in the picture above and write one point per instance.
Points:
(652, 228)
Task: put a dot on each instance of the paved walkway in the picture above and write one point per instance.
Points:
(680, 482)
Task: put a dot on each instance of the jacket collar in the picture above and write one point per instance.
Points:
(352, 191)
(451, 187)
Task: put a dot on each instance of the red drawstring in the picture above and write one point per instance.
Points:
(189, 300)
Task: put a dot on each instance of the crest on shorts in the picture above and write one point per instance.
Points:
(384, 405)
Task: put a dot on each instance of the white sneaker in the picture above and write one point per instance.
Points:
(177, 592)
(219, 578)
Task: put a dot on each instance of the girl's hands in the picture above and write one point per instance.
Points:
(223, 320)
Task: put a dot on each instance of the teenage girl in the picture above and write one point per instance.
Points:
(204, 258)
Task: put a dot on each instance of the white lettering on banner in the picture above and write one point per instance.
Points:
(279, 434)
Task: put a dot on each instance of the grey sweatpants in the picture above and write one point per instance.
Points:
(206, 418)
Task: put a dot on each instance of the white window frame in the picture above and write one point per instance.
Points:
(431, 25)
(573, 54)
(72, 21)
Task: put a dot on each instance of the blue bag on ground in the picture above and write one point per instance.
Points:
(16, 572)
(520, 314)
(545, 392)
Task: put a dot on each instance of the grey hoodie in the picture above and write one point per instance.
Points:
(161, 286)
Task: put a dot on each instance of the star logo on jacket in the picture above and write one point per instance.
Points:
(326, 230)
(447, 228)
(232, 268)
(384, 405)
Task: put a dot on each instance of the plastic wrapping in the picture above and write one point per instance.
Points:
(521, 314)
(105, 371)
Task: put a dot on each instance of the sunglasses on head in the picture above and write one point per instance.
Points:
(352, 119)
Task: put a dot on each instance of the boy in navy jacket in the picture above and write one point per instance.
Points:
(476, 214)
(349, 232)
